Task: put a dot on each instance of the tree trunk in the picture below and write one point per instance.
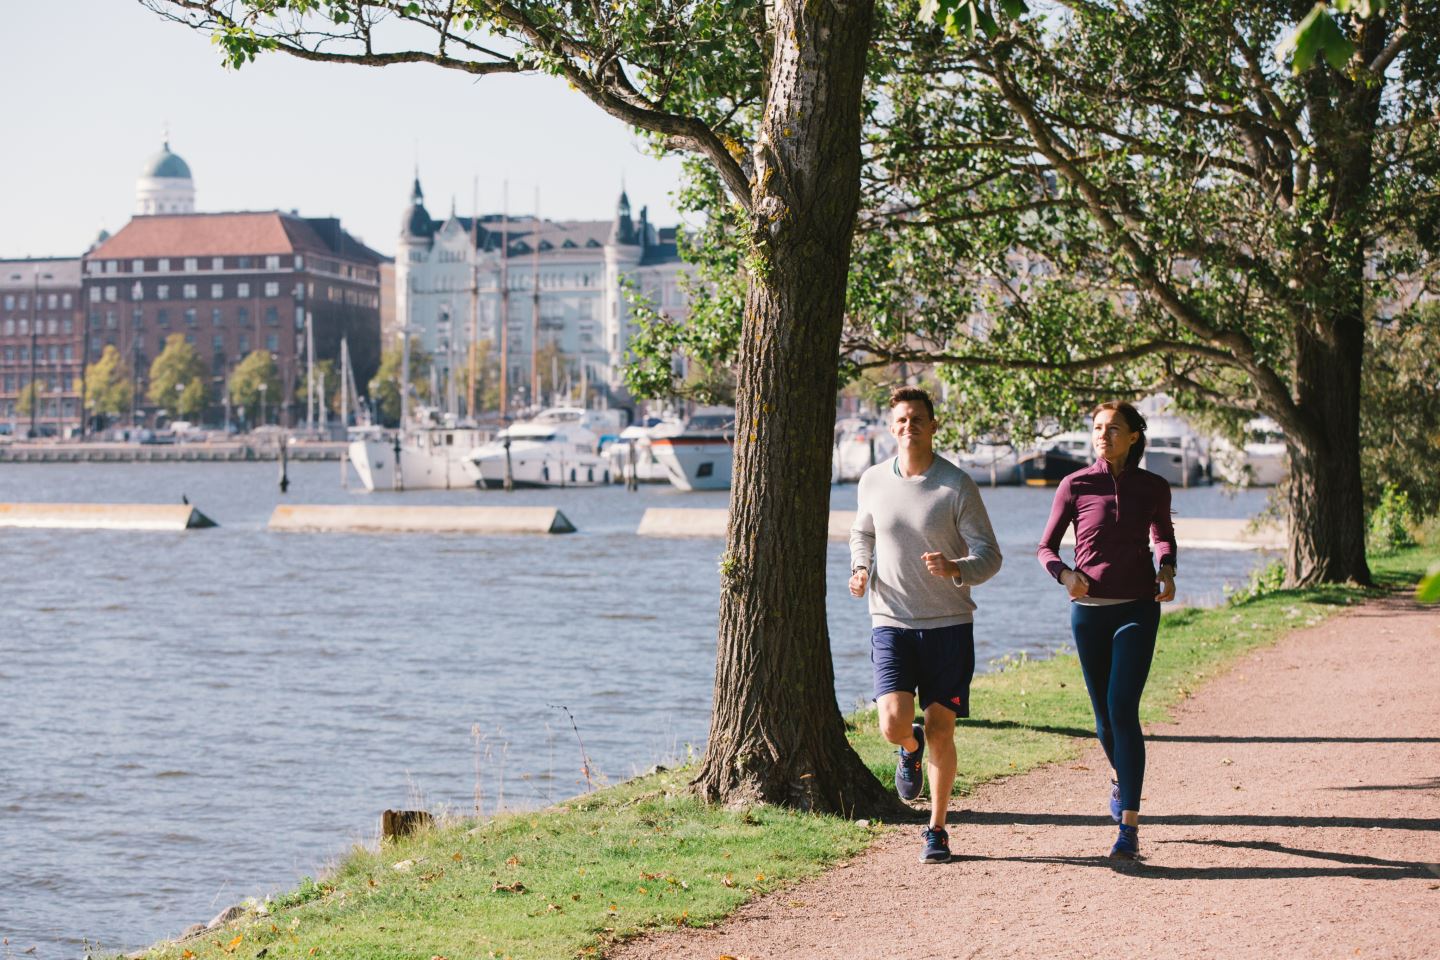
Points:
(776, 735)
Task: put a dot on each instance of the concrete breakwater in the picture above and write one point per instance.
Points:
(60, 452)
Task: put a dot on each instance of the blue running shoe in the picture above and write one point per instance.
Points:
(937, 846)
(1115, 808)
(908, 778)
(1127, 845)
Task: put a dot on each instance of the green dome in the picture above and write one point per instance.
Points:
(167, 165)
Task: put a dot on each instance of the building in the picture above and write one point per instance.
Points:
(40, 339)
(233, 283)
(165, 185)
(561, 286)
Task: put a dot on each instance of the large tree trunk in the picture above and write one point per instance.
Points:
(776, 735)
(1324, 492)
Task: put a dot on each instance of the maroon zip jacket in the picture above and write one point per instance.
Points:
(1115, 519)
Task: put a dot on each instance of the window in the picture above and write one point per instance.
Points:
(10, 327)
(9, 301)
(272, 342)
(242, 316)
(299, 261)
(190, 291)
(190, 339)
(54, 351)
(137, 266)
(137, 291)
(94, 294)
(112, 266)
(217, 263)
(192, 264)
(67, 325)
(244, 343)
(162, 291)
(217, 291)
(272, 263)
(272, 317)
(9, 354)
(92, 266)
(162, 319)
(272, 289)
(109, 319)
(190, 317)
(24, 354)
(242, 290)
(111, 293)
(65, 301)
(162, 265)
(24, 326)
(52, 301)
(215, 316)
(69, 352)
(137, 319)
(24, 301)
(299, 318)
(245, 263)
(53, 327)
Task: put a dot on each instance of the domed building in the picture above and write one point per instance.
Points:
(165, 185)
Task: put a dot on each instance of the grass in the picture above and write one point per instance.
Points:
(569, 880)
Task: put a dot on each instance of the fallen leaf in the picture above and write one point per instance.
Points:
(230, 947)
(727, 880)
(457, 857)
(1227, 762)
(516, 887)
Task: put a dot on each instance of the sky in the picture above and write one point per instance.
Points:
(93, 85)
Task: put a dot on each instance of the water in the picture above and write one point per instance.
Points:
(190, 719)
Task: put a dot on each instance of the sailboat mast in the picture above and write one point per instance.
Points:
(535, 400)
(504, 322)
(472, 404)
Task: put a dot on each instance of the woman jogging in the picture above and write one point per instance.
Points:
(1115, 593)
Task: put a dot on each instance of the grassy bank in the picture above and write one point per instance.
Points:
(568, 880)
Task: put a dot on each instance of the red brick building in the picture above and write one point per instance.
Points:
(234, 283)
(40, 336)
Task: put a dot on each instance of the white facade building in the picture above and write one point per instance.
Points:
(165, 185)
(450, 277)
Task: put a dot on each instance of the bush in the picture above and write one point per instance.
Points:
(1391, 522)
(1265, 580)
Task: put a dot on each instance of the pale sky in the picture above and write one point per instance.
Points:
(91, 86)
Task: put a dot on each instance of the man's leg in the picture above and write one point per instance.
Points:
(940, 741)
(897, 719)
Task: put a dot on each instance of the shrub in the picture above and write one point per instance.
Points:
(1391, 522)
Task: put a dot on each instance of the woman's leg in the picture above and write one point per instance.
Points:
(1094, 637)
(1133, 645)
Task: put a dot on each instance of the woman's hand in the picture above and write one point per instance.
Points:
(1076, 583)
(858, 580)
(1165, 585)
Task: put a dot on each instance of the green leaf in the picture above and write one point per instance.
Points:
(1014, 9)
(1318, 33)
(1429, 589)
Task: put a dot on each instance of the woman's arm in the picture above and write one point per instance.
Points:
(1062, 515)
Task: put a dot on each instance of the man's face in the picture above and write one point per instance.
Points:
(912, 425)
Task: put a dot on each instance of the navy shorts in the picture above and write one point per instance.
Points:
(939, 663)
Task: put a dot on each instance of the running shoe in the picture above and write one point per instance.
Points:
(937, 846)
(1115, 808)
(908, 778)
(1127, 844)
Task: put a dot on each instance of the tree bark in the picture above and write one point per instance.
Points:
(776, 735)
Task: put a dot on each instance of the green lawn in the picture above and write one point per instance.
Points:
(566, 881)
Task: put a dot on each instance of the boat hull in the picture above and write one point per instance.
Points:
(696, 463)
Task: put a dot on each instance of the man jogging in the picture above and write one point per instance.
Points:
(920, 541)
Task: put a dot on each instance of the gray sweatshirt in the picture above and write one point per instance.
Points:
(900, 518)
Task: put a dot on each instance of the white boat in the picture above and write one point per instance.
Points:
(1260, 463)
(555, 449)
(632, 451)
(1176, 452)
(701, 455)
(430, 455)
(859, 445)
(990, 464)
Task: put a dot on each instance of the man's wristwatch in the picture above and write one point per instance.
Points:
(857, 568)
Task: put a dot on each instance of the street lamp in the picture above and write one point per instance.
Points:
(179, 393)
(34, 333)
(263, 387)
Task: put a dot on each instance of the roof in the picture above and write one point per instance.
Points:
(54, 272)
(166, 165)
(230, 234)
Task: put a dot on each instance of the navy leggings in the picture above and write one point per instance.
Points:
(1116, 644)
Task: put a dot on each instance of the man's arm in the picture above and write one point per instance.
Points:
(973, 522)
(862, 543)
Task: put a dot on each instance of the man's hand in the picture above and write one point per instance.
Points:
(1076, 583)
(858, 581)
(936, 563)
(1165, 585)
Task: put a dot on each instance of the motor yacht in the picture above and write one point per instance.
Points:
(700, 456)
(1176, 452)
(1261, 462)
(558, 448)
(1055, 459)
(859, 445)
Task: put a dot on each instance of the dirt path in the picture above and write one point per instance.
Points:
(1293, 810)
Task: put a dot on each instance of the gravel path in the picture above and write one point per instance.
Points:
(1293, 810)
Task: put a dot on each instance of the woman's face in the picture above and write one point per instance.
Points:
(1112, 436)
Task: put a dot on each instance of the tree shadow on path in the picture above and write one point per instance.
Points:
(1012, 818)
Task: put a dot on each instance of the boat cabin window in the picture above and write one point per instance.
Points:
(710, 421)
(449, 440)
(706, 469)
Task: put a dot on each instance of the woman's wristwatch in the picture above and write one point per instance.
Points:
(1167, 570)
